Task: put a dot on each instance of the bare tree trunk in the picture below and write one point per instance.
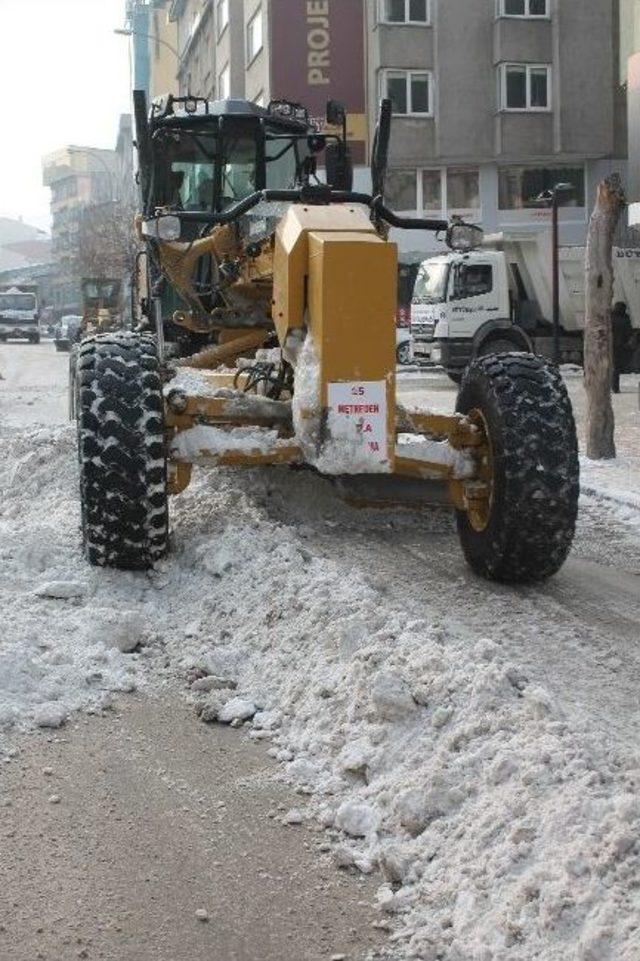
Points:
(598, 337)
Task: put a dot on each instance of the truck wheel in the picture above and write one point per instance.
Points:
(524, 527)
(403, 352)
(121, 449)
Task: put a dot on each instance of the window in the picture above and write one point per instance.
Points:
(524, 8)
(525, 86)
(440, 191)
(223, 16)
(404, 11)
(254, 35)
(472, 280)
(259, 99)
(432, 191)
(525, 188)
(410, 92)
(281, 159)
(463, 190)
(401, 190)
(238, 168)
(224, 83)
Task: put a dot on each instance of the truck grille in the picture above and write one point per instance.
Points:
(423, 331)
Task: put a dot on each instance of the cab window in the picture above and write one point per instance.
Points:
(238, 168)
(472, 280)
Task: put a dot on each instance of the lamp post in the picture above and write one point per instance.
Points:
(553, 198)
(124, 32)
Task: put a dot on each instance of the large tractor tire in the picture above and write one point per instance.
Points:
(121, 449)
(525, 531)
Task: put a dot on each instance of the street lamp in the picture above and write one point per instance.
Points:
(129, 32)
(553, 198)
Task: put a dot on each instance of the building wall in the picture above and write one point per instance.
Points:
(78, 177)
(257, 79)
(630, 61)
(466, 47)
(163, 60)
(194, 21)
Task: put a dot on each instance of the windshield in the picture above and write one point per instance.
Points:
(431, 283)
(185, 170)
(17, 302)
(282, 162)
(239, 168)
(95, 290)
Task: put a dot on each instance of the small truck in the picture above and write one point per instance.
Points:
(499, 298)
(19, 313)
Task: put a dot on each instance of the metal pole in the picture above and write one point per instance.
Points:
(556, 280)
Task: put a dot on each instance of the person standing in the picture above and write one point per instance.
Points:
(621, 328)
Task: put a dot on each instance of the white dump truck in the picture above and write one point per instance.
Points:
(499, 297)
(19, 312)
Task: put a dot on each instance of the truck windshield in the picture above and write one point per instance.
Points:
(17, 302)
(431, 283)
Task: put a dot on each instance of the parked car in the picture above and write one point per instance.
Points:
(68, 331)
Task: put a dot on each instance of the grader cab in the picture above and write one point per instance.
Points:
(101, 305)
(250, 259)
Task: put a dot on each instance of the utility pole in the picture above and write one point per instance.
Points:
(562, 191)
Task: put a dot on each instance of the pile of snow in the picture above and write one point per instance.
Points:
(60, 650)
(501, 831)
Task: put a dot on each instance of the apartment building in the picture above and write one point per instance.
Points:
(78, 177)
(495, 101)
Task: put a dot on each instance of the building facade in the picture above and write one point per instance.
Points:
(495, 101)
(79, 178)
(630, 78)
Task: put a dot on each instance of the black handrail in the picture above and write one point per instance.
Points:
(308, 195)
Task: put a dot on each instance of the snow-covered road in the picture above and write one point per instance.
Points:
(475, 744)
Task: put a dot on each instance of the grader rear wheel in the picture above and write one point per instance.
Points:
(121, 449)
(522, 529)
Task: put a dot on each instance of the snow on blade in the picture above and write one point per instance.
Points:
(435, 452)
(203, 441)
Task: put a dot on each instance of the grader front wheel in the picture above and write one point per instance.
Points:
(520, 529)
(121, 449)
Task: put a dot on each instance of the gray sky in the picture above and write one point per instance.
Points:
(64, 78)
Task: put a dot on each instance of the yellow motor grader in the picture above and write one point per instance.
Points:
(268, 338)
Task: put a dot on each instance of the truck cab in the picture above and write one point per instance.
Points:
(456, 298)
(499, 298)
(19, 313)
